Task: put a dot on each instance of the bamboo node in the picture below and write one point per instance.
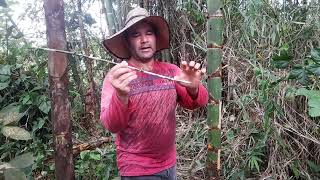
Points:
(214, 46)
(213, 128)
(217, 14)
(212, 100)
(217, 73)
(212, 148)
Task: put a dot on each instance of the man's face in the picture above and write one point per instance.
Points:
(142, 42)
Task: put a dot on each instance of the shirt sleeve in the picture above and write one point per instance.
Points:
(114, 114)
(185, 99)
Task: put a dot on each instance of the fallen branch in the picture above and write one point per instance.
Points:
(99, 59)
(77, 149)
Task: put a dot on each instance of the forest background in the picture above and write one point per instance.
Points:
(270, 73)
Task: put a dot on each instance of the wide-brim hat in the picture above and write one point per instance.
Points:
(117, 45)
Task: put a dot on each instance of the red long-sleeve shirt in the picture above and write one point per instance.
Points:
(146, 127)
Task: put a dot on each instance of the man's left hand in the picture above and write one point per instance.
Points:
(191, 72)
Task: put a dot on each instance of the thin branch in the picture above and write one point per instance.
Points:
(99, 59)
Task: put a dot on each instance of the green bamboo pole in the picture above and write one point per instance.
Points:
(109, 13)
(215, 25)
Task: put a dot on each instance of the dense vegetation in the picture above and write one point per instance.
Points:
(271, 88)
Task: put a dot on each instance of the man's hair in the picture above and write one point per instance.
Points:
(154, 29)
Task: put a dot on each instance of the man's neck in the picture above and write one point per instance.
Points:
(147, 66)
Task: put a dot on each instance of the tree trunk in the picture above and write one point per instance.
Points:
(214, 56)
(90, 97)
(58, 78)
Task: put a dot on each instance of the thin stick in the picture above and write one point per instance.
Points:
(99, 59)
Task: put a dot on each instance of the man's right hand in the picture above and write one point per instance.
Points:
(120, 76)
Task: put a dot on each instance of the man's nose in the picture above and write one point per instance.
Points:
(144, 38)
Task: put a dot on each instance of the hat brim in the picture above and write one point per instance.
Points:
(117, 45)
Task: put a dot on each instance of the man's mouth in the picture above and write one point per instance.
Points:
(145, 48)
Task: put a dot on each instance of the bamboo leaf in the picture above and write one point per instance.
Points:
(313, 166)
(16, 133)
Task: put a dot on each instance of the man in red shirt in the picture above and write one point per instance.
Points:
(140, 108)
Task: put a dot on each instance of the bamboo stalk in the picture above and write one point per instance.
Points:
(214, 56)
(110, 17)
(111, 62)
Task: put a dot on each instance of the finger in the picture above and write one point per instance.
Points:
(184, 66)
(126, 82)
(120, 65)
(197, 66)
(119, 72)
(125, 76)
(203, 71)
(191, 64)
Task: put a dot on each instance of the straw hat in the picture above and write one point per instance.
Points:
(117, 45)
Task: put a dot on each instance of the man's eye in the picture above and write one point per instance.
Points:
(150, 33)
(135, 34)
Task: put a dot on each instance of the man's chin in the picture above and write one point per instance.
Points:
(145, 58)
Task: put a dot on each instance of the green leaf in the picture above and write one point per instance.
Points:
(39, 124)
(14, 174)
(26, 99)
(308, 93)
(314, 167)
(256, 164)
(230, 136)
(10, 114)
(5, 69)
(314, 107)
(45, 106)
(313, 101)
(300, 74)
(95, 156)
(83, 154)
(22, 161)
(4, 78)
(290, 92)
(16, 133)
(315, 54)
(4, 85)
(281, 61)
(314, 69)
(296, 171)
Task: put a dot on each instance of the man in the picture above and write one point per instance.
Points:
(140, 108)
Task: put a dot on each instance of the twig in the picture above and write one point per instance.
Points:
(99, 59)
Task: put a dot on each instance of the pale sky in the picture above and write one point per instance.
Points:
(33, 25)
